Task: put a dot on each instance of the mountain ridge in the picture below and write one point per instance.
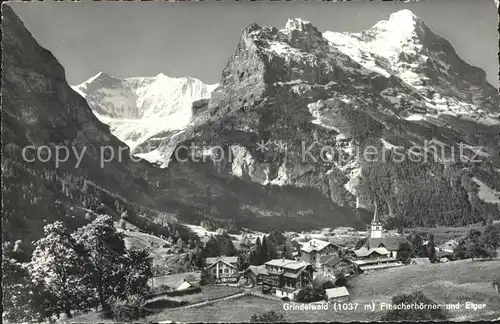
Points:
(318, 92)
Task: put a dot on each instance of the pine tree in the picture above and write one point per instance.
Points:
(431, 248)
(287, 250)
(228, 248)
(264, 251)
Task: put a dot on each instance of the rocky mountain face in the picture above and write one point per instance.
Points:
(138, 108)
(41, 118)
(318, 100)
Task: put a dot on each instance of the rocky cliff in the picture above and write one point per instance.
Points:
(295, 107)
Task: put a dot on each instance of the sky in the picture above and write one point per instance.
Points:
(126, 39)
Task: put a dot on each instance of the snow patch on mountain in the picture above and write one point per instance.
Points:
(379, 49)
(154, 156)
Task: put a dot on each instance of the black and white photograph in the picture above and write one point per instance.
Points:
(250, 161)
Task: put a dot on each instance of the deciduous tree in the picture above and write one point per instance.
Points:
(106, 258)
(60, 263)
(405, 252)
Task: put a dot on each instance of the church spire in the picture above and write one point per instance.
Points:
(376, 220)
(376, 226)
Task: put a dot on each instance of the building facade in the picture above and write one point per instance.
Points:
(254, 275)
(375, 264)
(314, 250)
(285, 277)
(333, 266)
(337, 295)
(223, 269)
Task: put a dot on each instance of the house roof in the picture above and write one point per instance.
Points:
(391, 243)
(336, 292)
(292, 275)
(287, 263)
(364, 252)
(330, 260)
(315, 245)
(370, 261)
(231, 261)
(257, 270)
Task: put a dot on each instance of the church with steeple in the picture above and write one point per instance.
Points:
(376, 226)
(378, 239)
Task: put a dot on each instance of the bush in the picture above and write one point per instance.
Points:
(188, 291)
(166, 290)
(268, 317)
(285, 299)
(310, 294)
(160, 290)
(341, 280)
(496, 284)
(166, 303)
(128, 310)
(329, 284)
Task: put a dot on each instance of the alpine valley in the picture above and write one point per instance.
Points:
(394, 86)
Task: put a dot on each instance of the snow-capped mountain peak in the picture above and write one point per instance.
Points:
(405, 47)
(101, 74)
(403, 32)
(404, 16)
(137, 108)
(297, 24)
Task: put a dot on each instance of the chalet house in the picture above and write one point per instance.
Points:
(285, 277)
(314, 250)
(338, 295)
(223, 269)
(332, 266)
(449, 246)
(255, 274)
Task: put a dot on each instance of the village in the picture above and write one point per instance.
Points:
(317, 268)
